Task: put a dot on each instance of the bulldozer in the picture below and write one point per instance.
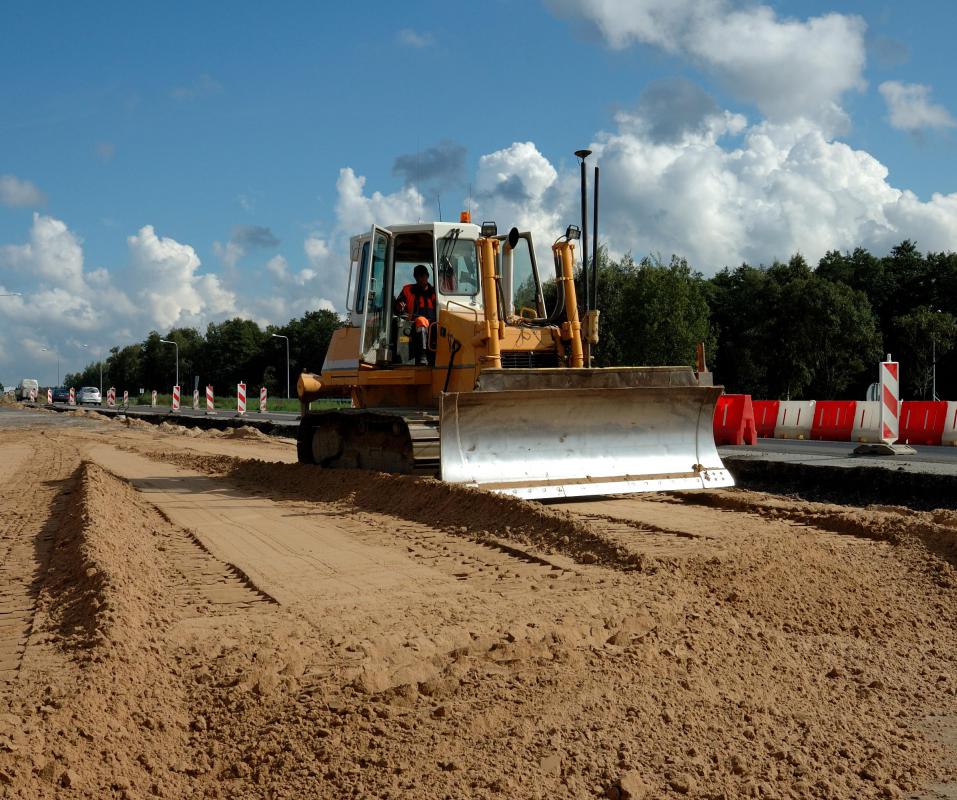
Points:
(498, 392)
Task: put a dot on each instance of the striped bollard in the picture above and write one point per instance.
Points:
(195, 399)
(111, 397)
(153, 399)
(241, 398)
(175, 404)
(126, 398)
(72, 396)
(33, 395)
(262, 400)
(49, 397)
(210, 400)
(890, 401)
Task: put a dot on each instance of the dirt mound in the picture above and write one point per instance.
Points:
(246, 432)
(102, 611)
(935, 530)
(134, 422)
(456, 509)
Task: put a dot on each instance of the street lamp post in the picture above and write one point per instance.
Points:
(170, 341)
(933, 361)
(280, 336)
(100, 354)
(48, 350)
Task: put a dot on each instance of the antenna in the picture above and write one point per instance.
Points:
(438, 202)
(470, 200)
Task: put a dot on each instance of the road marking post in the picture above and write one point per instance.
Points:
(175, 404)
(49, 397)
(890, 401)
(262, 400)
(111, 397)
(241, 398)
(195, 399)
(210, 400)
(72, 396)
(126, 398)
(153, 399)
(33, 395)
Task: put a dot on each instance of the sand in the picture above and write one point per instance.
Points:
(199, 617)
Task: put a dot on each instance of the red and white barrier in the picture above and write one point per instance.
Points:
(33, 395)
(795, 418)
(153, 399)
(949, 434)
(111, 397)
(210, 400)
(241, 398)
(72, 396)
(195, 399)
(175, 403)
(126, 398)
(263, 400)
(733, 421)
(765, 417)
(922, 422)
(49, 397)
(833, 420)
(890, 402)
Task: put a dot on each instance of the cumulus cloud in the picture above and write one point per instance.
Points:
(788, 68)
(910, 109)
(243, 239)
(437, 167)
(16, 192)
(413, 38)
(166, 275)
(356, 212)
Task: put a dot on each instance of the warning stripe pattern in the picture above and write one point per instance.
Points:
(890, 401)
(241, 398)
(175, 398)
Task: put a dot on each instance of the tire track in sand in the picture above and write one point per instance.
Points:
(34, 485)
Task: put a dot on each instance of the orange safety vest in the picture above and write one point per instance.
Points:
(419, 300)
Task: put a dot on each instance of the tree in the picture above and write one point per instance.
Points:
(921, 332)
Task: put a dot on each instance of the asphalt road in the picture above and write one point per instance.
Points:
(942, 460)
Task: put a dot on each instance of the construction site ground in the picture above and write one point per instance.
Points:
(190, 613)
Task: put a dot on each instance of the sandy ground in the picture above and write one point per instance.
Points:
(197, 616)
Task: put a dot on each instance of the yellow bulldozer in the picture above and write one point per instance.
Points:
(488, 386)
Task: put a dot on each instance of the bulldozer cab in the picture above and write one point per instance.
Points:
(383, 262)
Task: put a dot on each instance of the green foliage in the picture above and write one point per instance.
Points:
(923, 333)
(231, 351)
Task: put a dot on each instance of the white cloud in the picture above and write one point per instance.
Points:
(413, 38)
(165, 274)
(910, 109)
(788, 68)
(15, 191)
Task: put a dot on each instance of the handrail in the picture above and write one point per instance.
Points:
(472, 309)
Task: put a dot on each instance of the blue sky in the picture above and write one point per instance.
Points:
(181, 162)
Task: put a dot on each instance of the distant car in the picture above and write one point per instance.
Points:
(61, 394)
(25, 387)
(89, 395)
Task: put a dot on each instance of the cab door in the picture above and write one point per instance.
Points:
(377, 306)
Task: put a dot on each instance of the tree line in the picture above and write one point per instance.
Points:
(788, 330)
(784, 330)
(229, 352)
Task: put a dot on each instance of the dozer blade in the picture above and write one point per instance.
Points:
(575, 442)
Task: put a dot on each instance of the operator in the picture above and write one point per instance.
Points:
(416, 301)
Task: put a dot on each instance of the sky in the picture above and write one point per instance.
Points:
(175, 164)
